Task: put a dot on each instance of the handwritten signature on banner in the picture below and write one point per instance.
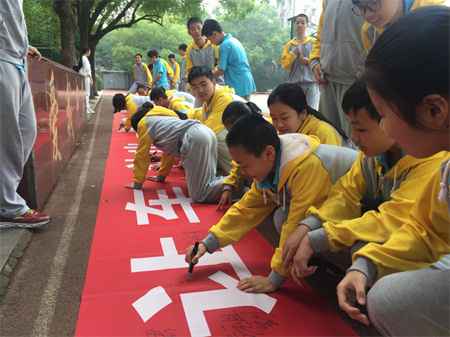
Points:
(195, 304)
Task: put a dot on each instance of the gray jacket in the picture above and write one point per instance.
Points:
(342, 54)
(13, 32)
(167, 132)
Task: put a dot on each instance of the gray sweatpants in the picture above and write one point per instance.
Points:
(199, 156)
(17, 136)
(331, 96)
(224, 159)
(413, 303)
(312, 93)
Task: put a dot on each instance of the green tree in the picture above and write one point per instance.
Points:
(263, 37)
(43, 28)
(116, 51)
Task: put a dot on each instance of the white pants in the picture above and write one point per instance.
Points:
(87, 91)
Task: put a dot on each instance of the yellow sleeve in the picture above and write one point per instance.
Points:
(377, 226)
(176, 76)
(242, 217)
(315, 52)
(142, 156)
(188, 60)
(214, 120)
(195, 113)
(234, 177)
(344, 201)
(327, 134)
(149, 75)
(287, 57)
(306, 190)
(421, 241)
(131, 108)
(167, 162)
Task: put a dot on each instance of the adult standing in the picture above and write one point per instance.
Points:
(295, 60)
(85, 71)
(141, 74)
(17, 117)
(337, 57)
(233, 61)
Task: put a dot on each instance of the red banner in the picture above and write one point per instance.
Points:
(137, 283)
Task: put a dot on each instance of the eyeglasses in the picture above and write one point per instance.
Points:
(361, 7)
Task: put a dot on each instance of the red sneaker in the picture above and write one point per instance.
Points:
(30, 219)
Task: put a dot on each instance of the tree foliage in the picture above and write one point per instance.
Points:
(263, 37)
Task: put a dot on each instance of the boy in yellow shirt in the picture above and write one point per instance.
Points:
(175, 80)
(289, 113)
(189, 140)
(290, 173)
(372, 200)
(214, 99)
(405, 280)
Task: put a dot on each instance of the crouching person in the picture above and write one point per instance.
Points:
(194, 143)
(290, 172)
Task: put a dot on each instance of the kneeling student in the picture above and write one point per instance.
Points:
(193, 142)
(290, 172)
(373, 200)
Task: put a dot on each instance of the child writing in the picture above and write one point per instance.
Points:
(283, 188)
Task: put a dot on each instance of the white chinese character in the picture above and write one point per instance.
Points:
(171, 259)
(166, 212)
(196, 303)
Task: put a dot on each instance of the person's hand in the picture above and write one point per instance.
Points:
(225, 200)
(351, 291)
(157, 179)
(33, 52)
(318, 74)
(256, 284)
(134, 186)
(300, 268)
(291, 245)
(200, 252)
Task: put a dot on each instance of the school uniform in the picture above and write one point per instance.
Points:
(311, 126)
(189, 140)
(339, 50)
(370, 34)
(303, 175)
(17, 116)
(404, 272)
(176, 74)
(298, 72)
(141, 75)
(234, 63)
(211, 115)
(369, 203)
(132, 104)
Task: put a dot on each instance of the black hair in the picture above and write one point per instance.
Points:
(210, 26)
(141, 85)
(183, 46)
(292, 95)
(410, 60)
(236, 110)
(84, 50)
(193, 20)
(254, 134)
(138, 54)
(200, 71)
(119, 102)
(356, 98)
(171, 56)
(153, 53)
(157, 93)
(140, 113)
(303, 16)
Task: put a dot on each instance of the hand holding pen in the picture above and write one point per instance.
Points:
(194, 253)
